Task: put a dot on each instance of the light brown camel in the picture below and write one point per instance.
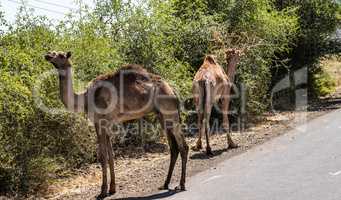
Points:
(128, 94)
(211, 84)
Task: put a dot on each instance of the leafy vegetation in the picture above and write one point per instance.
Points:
(317, 21)
(324, 83)
(169, 38)
(328, 78)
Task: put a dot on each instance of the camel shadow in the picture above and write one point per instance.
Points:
(152, 197)
(203, 156)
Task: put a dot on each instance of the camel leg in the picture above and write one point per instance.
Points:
(174, 152)
(198, 145)
(180, 142)
(198, 101)
(173, 157)
(112, 188)
(206, 127)
(103, 158)
(204, 103)
(168, 107)
(183, 148)
(225, 109)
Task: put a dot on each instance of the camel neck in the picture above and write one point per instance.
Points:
(72, 101)
(231, 67)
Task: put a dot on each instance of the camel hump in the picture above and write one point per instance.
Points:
(210, 59)
(133, 67)
(140, 71)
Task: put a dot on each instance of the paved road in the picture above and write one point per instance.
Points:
(297, 166)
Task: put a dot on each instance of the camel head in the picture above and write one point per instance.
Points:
(60, 60)
(234, 53)
(211, 59)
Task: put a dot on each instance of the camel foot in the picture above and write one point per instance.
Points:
(196, 148)
(209, 152)
(164, 187)
(232, 146)
(101, 196)
(180, 188)
(112, 192)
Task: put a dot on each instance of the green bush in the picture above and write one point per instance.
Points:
(35, 146)
(324, 84)
(326, 77)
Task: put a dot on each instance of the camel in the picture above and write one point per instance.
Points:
(130, 93)
(212, 84)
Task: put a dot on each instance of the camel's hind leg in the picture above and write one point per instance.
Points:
(183, 148)
(203, 99)
(174, 152)
(177, 144)
(198, 145)
(206, 128)
(206, 104)
(103, 158)
(204, 115)
(167, 104)
(198, 101)
(225, 102)
(112, 188)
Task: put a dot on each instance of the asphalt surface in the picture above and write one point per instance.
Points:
(303, 164)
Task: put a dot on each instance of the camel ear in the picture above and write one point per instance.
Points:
(69, 54)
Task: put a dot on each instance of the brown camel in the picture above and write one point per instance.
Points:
(211, 84)
(128, 94)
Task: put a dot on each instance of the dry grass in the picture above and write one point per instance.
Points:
(142, 175)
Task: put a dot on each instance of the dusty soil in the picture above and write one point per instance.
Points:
(142, 175)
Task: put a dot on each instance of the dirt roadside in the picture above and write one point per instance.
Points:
(142, 175)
